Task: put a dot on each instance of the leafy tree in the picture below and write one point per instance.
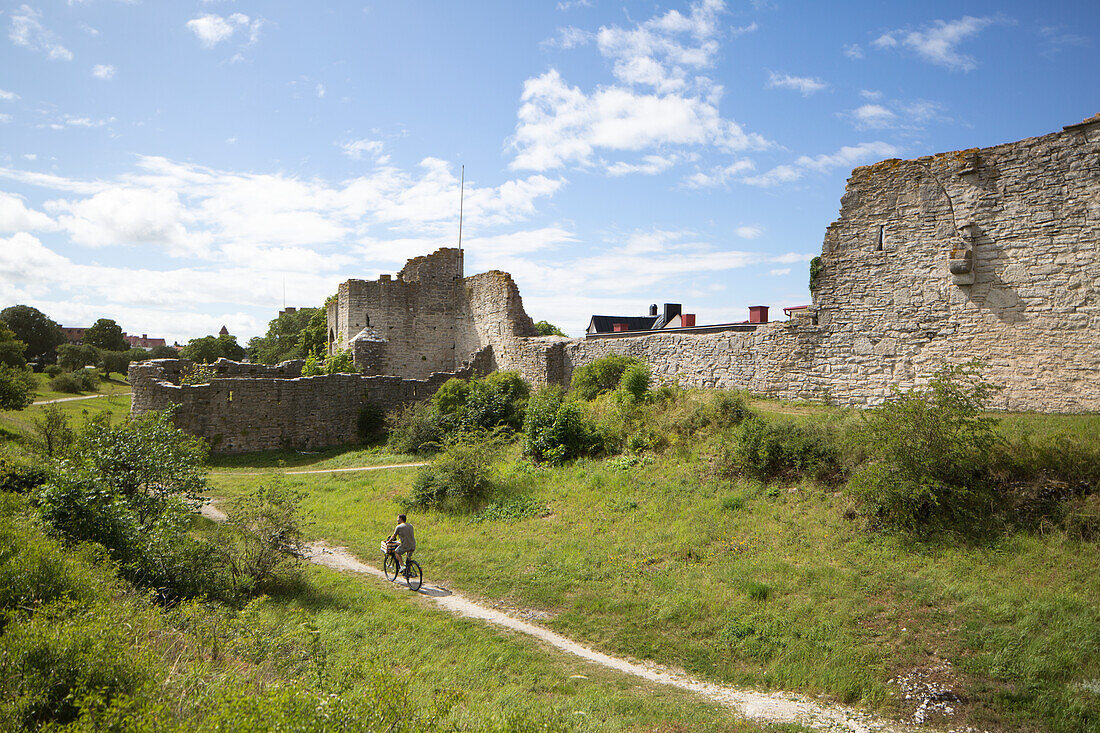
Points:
(313, 340)
(338, 363)
(76, 356)
(263, 534)
(209, 349)
(107, 335)
(12, 350)
(283, 339)
(16, 387)
(114, 361)
(163, 352)
(602, 375)
(31, 326)
(545, 328)
(53, 431)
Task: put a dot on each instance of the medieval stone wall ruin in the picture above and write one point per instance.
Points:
(990, 254)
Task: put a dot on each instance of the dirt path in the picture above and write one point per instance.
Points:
(85, 397)
(762, 707)
(320, 470)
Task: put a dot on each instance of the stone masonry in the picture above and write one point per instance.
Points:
(990, 254)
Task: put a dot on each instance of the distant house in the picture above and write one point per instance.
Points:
(74, 334)
(143, 341)
(671, 317)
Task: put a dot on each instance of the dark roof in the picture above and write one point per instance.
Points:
(605, 324)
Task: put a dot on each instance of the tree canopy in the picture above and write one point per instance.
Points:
(76, 356)
(34, 328)
(209, 349)
(283, 338)
(16, 387)
(545, 328)
(107, 335)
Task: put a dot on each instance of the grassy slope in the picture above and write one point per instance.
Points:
(649, 562)
(117, 385)
(16, 427)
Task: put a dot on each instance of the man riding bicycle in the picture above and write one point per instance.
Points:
(403, 534)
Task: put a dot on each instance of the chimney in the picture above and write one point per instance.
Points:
(688, 320)
(653, 310)
(758, 314)
(671, 311)
(144, 336)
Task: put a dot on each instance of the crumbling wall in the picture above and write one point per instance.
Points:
(250, 407)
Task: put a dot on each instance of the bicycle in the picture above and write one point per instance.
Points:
(414, 576)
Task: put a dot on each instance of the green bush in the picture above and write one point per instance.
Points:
(53, 432)
(415, 428)
(52, 370)
(20, 476)
(768, 450)
(556, 430)
(263, 536)
(635, 381)
(489, 402)
(602, 375)
(17, 386)
(931, 452)
(460, 477)
(82, 380)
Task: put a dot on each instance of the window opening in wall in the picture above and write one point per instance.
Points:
(368, 320)
(881, 238)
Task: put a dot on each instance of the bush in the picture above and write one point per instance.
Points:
(16, 387)
(82, 380)
(460, 477)
(635, 381)
(52, 370)
(415, 428)
(263, 536)
(767, 450)
(53, 432)
(557, 430)
(20, 477)
(602, 375)
(930, 455)
(197, 373)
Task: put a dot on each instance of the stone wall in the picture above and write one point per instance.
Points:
(250, 407)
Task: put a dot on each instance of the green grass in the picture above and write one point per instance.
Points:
(106, 387)
(776, 588)
(17, 426)
(338, 457)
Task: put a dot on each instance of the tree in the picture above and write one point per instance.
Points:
(114, 361)
(283, 339)
(163, 352)
(107, 335)
(12, 350)
(34, 328)
(209, 349)
(313, 340)
(71, 357)
(16, 387)
(545, 328)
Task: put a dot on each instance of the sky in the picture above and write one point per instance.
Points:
(182, 166)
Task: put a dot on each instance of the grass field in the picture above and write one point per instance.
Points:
(17, 427)
(43, 392)
(771, 586)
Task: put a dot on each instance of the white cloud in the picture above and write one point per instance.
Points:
(873, 115)
(6, 96)
(847, 157)
(103, 71)
(213, 29)
(569, 37)
(660, 98)
(895, 113)
(749, 232)
(5, 118)
(16, 217)
(780, 271)
(570, 4)
(870, 94)
(803, 84)
(356, 148)
(853, 51)
(718, 176)
(650, 165)
(27, 31)
(1058, 38)
(938, 43)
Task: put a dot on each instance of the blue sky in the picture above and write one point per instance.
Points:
(176, 166)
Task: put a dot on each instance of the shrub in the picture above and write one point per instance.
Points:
(415, 428)
(371, 423)
(635, 381)
(557, 430)
(198, 373)
(16, 387)
(602, 375)
(20, 477)
(460, 477)
(53, 432)
(82, 380)
(930, 454)
(52, 370)
(768, 450)
(263, 535)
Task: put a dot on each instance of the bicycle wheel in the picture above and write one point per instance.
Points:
(389, 567)
(413, 576)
